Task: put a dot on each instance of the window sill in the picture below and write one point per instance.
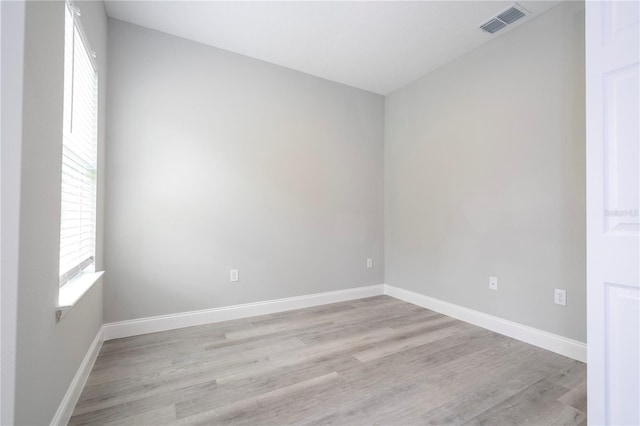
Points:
(72, 292)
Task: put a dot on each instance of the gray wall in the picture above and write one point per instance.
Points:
(11, 71)
(485, 175)
(218, 161)
(49, 353)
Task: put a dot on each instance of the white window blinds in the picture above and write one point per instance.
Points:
(79, 152)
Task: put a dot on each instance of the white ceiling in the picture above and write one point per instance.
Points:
(371, 45)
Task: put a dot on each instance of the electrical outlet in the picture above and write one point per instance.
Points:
(493, 283)
(369, 263)
(560, 297)
(234, 275)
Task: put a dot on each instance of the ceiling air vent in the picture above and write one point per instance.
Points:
(506, 17)
(493, 25)
(511, 15)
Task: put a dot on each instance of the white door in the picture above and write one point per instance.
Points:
(613, 204)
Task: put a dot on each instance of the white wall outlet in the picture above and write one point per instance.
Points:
(369, 263)
(234, 276)
(560, 297)
(493, 283)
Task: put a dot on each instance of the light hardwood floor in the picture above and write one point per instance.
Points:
(371, 361)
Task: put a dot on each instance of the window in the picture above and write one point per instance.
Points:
(79, 152)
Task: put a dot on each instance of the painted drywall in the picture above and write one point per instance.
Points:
(485, 176)
(11, 69)
(49, 352)
(216, 161)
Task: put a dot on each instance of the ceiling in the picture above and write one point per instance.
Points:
(371, 45)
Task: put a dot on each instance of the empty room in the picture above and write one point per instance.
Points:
(322, 212)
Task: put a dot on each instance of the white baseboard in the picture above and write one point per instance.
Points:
(65, 410)
(549, 341)
(136, 327)
(552, 342)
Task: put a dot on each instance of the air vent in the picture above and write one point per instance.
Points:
(510, 15)
(506, 17)
(493, 25)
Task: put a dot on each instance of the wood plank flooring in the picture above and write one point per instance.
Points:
(371, 361)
